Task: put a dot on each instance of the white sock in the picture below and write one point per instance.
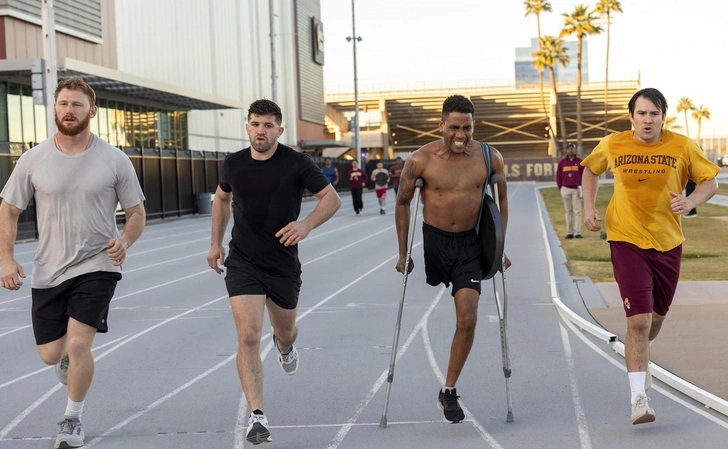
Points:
(446, 388)
(637, 384)
(74, 409)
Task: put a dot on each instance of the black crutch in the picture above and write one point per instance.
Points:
(503, 310)
(410, 239)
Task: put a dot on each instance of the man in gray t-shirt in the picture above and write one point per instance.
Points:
(77, 180)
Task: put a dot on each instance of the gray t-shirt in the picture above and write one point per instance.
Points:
(75, 199)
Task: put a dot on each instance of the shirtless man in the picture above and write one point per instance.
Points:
(454, 171)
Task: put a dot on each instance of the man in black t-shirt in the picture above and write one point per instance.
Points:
(266, 181)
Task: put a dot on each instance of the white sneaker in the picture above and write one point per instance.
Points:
(62, 370)
(71, 434)
(288, 362)
(258, 429)
(641, 411)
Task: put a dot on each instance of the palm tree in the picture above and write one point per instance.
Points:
(684, 105)
(699, 114)
(581, 22)
(606, 8)
(670, 123)
(552, 52)
(536, 7)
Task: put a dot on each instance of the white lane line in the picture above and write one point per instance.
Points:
(699, 410)
(18, 379)
(16, 299)
(239, 426)
(15, 330)
(341, 434)
(346, 247)
(18, 419)
(492, 442)
(581, 423)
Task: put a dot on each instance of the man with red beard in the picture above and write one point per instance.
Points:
(77, 180)
(265, 184)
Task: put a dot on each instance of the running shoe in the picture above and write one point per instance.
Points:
(289, 360)
(448, 404)
(258, 429)
(62, 370)
(71, 434)
(641, 411)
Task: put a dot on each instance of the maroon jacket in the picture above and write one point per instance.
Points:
(568, 174)
(357, 178)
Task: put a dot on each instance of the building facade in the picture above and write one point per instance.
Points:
(169, 73)
(526, 73)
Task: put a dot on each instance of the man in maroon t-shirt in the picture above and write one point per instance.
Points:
(357, 180)
(568, 180)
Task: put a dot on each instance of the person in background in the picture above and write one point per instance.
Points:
(357, 179)
(331, 172)
(381, 180)
(395, 172)
(568, 180)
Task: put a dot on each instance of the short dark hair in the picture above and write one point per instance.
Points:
(652, 94)
(457, 103)
(265, 107)
(570, 144)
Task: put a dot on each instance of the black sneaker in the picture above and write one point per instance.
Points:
(578, 236)
(450, 407)
(569, 236)
(382, 211)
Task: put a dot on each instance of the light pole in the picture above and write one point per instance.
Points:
(354, 38)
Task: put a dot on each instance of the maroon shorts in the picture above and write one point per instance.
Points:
(647, 278)
(381, 193)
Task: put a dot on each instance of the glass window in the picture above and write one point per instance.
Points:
(113, 132)
(41, 129)
(4, 112)
(119, 126)
(103, 115)
(15, 122)
(28, 115)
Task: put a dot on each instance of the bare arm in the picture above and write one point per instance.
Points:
(10, 270)
(413, 169)
(136, 218)
(329, 203)
(703, 192)
(221, 207)
(590, 187)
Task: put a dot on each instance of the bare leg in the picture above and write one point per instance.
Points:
(636, 348)
(77, 344)
(248, 313)
(466, 311)
(284, 326)
(657, 321)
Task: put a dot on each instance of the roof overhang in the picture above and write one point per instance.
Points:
(318, 144)
(115, 85)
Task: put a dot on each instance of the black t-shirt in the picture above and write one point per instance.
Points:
(266, 197)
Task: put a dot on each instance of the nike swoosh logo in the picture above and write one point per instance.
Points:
(642, 179)
(473, 280)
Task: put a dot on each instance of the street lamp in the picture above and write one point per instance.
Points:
(354, 38)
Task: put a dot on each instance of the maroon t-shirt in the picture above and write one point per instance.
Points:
(395, 172)
(357, 178)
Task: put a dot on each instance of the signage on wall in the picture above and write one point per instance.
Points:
(317, 27)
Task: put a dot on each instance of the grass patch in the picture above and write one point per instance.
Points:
(705, 252)
(722, 189)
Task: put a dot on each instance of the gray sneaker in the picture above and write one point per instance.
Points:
(62, 370)
(258, 429)
(641, 411)
(289, 361)
(71, 434)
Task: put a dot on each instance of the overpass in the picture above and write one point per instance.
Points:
(512, 119)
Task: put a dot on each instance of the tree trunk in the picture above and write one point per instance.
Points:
(606, 82)
(579, 39)
(540, 89)
(687, 132)
(562, 122)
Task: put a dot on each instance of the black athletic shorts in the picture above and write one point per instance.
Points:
(243, 278)
(452, 257)
(84, 298)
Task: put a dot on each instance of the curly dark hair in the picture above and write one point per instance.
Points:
(265, 107)
(457, 103)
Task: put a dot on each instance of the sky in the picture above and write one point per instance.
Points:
(675, 46)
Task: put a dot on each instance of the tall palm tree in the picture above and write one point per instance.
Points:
(699, 114)
(536, 7)
(606, 8)
(552, 52)
(670, 123)
(581, 22)
(684, 105)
